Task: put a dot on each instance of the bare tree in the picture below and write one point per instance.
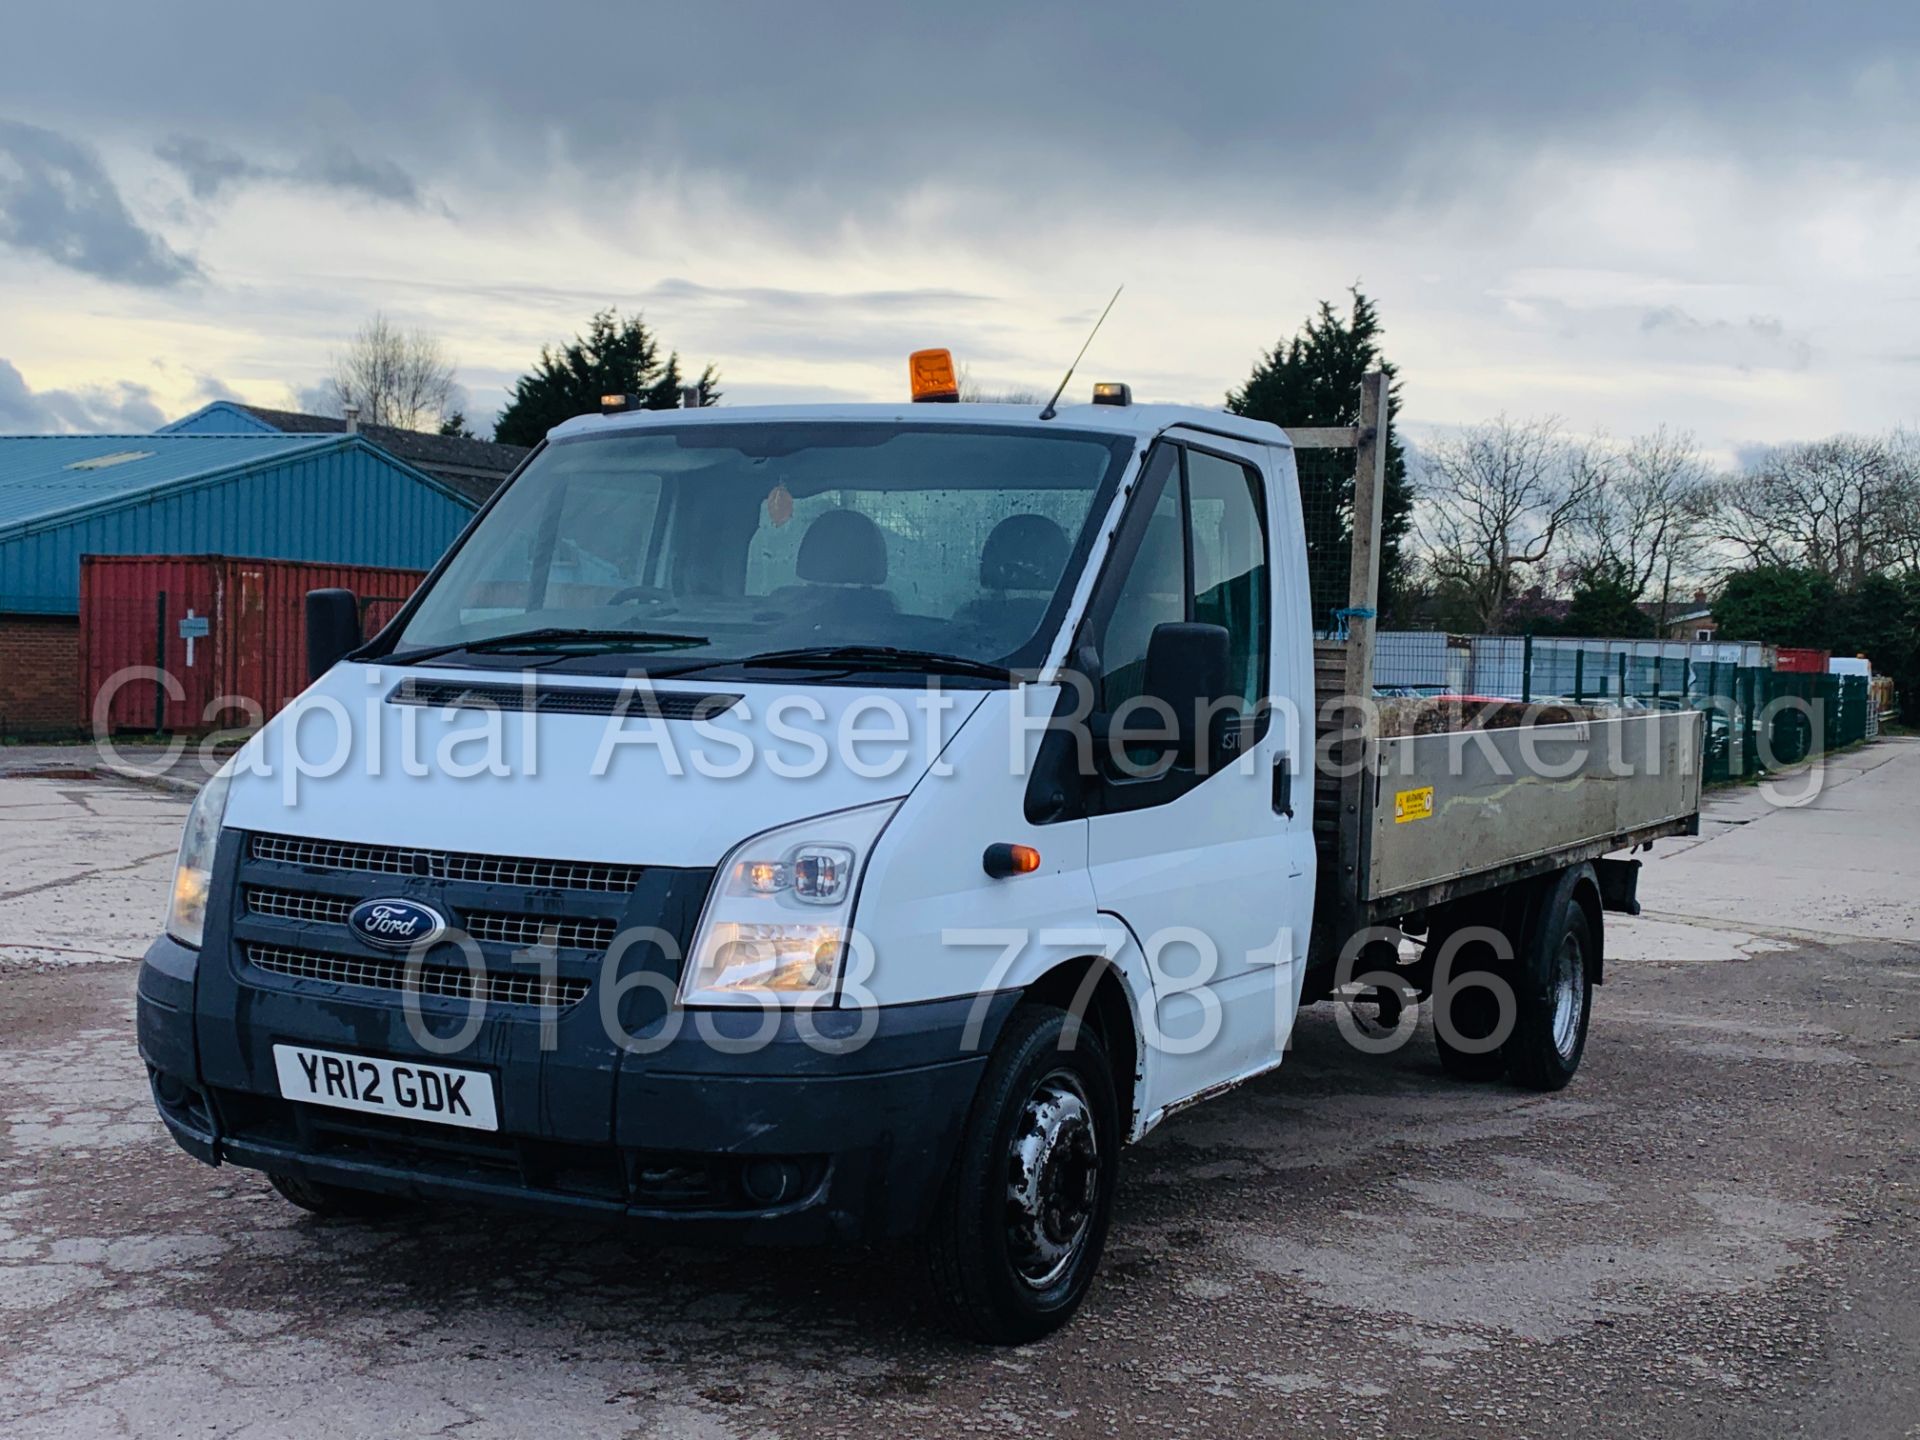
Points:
(396, 377)
(1494, 503)
(972, 393)
(1904, 446)
(1644, 513)
(1847, 507)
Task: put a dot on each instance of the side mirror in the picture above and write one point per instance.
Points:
(1187, 668)
(333, 629)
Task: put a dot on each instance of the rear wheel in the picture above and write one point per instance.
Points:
(1020, 1227)
(1555, 1001)
(317, 1197)
(1467, 1009)
(1474, 1014)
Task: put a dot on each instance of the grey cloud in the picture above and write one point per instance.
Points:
(342, 169)
(207, 167)
(210, 169)
(319, 398)
(125, 408)
(56, 200)
(1754, 342)
(714, 323)
(1668, 317)
(812, 301)
(212, 387)
(676, 296)
(1675, 318)
(816, 115)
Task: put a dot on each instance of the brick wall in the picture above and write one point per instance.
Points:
(39, 675)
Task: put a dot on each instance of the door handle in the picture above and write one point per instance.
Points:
(1283, 785)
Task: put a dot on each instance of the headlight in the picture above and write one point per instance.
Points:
(193, 875)
(777, 923)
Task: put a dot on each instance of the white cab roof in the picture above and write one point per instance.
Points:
(1141, 421)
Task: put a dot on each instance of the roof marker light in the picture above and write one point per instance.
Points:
(1112, 392)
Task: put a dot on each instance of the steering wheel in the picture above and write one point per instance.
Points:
(635, 593)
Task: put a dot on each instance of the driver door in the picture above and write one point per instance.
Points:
(1209, 871)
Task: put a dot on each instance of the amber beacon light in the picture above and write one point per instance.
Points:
(932, 375)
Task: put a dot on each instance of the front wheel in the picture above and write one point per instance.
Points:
(1023, 1219)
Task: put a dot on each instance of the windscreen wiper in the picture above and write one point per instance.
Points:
(878, 657)
(552, 637)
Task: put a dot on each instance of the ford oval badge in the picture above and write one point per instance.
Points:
(396, 924)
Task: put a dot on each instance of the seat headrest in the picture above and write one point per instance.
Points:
(843, 547)
(1024, 552)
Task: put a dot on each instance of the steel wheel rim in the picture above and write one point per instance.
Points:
(1053, 1180)
(1569, 986)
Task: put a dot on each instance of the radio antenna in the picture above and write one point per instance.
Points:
(1050, 411)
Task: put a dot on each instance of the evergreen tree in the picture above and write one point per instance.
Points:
(1604, 606)
(1314, 379)
(1778, 605)
(615, 357)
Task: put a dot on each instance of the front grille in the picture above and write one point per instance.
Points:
(525, 931)
(446, 865)
(520, 931)
(638, 701)
(457, 983)
(293, 905)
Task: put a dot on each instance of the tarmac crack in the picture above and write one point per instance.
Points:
(68, 881)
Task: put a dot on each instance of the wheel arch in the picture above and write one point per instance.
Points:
(1097, 991)
(1583, 889)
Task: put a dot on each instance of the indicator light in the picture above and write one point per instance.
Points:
(1004, 861)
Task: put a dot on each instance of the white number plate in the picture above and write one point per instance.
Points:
(387, 1087)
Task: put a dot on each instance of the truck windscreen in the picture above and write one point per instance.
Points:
(726, 541)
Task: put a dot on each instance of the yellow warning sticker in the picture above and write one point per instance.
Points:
(1413, 805)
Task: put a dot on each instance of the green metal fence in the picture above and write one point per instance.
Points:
(1758, 719)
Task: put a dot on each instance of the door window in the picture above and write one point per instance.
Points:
(1202, 556)
(1153, 593)
(1230, 587)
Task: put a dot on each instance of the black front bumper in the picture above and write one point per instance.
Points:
(779, 1142)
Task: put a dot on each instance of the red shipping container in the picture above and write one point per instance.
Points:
(228, 630)
(1788, 661)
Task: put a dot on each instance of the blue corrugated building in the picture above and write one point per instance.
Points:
(335, 498)
(475, 468)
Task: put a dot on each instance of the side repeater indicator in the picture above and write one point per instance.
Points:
(1004, 861)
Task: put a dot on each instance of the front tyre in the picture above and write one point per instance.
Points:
(1023, 1219)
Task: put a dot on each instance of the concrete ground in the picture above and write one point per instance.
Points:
(1714, 1232)
(182, 766)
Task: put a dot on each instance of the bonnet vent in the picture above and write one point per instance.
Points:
(641, 702)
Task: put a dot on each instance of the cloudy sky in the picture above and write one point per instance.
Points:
(1706, 215)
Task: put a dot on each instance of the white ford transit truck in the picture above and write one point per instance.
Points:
(856, 824)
